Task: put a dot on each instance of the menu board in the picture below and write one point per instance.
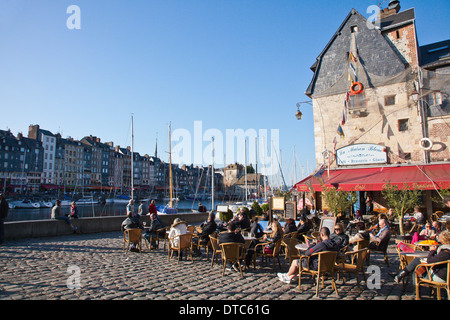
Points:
(291, 210)
(221, 208)
(278, 203)
(328, 222)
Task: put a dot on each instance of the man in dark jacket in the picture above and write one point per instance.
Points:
(325, 245)
(207, 228)
(132, 222)
(4, 208)
(231, 236)
(151, 232)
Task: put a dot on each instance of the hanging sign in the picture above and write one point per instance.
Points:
(357, 154)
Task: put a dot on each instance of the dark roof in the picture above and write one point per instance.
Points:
(397, 20)
(46, 133)
(435, 55)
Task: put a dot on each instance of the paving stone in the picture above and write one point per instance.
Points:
(39, 269)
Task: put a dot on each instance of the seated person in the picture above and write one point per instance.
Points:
(426, 233)
(201, 208)
(303, 226)
(207, 228)
(132, 222)
(325, 245)
(242, 221)
(418, 215)
(339, 237)
(178, 227)
(255, 228)
(277, 234)
(289, 226)
(151, 232)
(305, 212)
(231, 236)
(439, 273)
(381, 239)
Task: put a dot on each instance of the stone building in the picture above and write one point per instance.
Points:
(375, 105)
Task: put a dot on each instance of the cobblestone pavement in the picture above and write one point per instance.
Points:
(47, 268)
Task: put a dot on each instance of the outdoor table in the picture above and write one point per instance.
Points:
(415, 254)
(426, 246)
(410, 256)
(301, 247)
(248, 241)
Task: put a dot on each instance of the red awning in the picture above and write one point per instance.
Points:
(428, 177)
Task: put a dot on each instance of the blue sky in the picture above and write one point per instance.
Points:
(231, 64)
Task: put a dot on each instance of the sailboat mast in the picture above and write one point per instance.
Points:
(170, 167)
(245, 154)
(265, 174)
(132, 159)
(212, 176)
(295, 168)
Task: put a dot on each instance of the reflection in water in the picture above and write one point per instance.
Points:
(98, 210)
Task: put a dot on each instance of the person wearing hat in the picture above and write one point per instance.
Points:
(4, 208)
(178, 227)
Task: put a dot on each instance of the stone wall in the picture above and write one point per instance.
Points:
(51, 228)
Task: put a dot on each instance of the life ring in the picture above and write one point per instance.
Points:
(360, 88)
(424, 142)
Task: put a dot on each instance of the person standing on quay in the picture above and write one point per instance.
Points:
(4, 208)
(152, 208)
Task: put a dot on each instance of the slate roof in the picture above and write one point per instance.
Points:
(397, 20)
(435, 55)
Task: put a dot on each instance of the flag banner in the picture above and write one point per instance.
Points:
(353, 69)
(319, 174)
(340, 132)
(310, 187)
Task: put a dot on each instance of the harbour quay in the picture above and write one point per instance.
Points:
(94, 266)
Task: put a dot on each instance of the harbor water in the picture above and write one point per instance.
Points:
(98, 210)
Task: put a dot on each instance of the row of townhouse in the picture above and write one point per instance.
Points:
(46, 161)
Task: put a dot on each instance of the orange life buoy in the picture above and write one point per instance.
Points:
(359, 90)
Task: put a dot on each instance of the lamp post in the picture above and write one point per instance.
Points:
(299, 114)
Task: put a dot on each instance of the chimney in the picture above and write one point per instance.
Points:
(33, 131)
(19, 136)
(393, 8)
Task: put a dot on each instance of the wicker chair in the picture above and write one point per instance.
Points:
(290, 251)
(357, 266)
(132, 236)
(216, 250)
(232, 252)
(428, 282)
(260, 252)
(180, 243)
(326, 265)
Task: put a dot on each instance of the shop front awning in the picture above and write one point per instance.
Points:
(427, 177)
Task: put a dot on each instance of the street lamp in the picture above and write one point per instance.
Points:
(299, 114)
